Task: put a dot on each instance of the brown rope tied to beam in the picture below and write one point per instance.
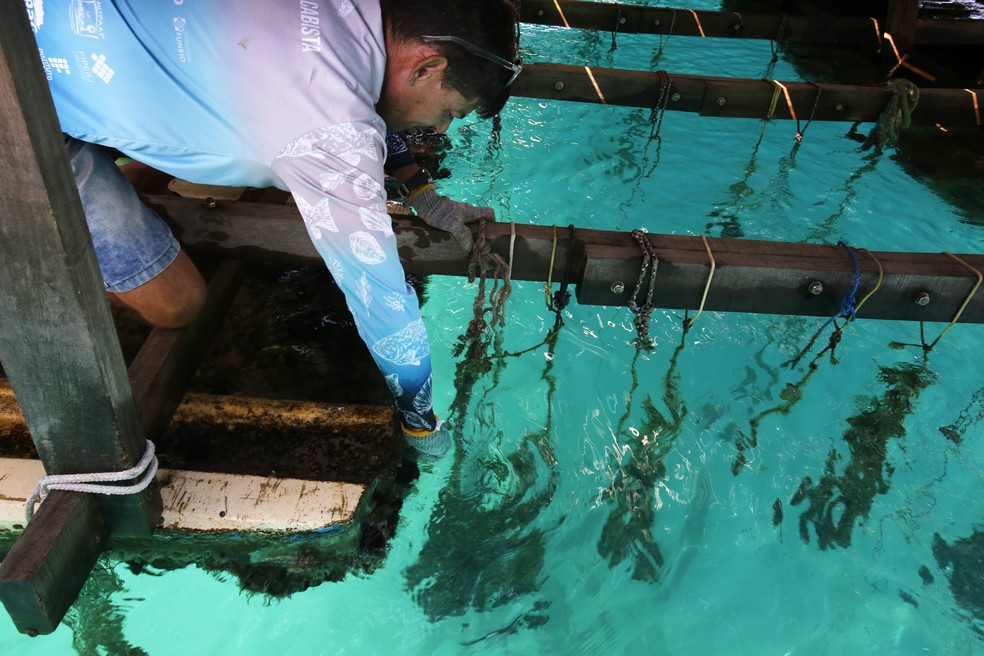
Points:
(483, 264)
(897, 115)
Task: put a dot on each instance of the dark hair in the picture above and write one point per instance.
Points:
(488, 24)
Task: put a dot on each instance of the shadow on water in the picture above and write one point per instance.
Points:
(963, 563)
(838, 501)
(483, 547)
(96, 620)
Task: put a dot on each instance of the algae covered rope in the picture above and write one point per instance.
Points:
(896, 116)
(644, 312)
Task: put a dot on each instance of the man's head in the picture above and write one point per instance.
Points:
(446, 58)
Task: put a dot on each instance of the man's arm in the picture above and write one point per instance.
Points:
(335, 174)
(420, 193)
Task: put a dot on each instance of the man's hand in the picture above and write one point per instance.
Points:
(449, 215)
(435, 443)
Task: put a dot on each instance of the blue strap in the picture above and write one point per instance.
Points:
(849, 303)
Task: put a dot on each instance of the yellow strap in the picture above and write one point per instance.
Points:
(423, 432)
(549, 283)
(419, 190)
(966, 300)
(977, 108)
(700, 27)
(707, 287)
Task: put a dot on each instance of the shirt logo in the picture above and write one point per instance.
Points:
(35, 12)
(100, 69)
(310, 26)
(181, 39)
(87, 18)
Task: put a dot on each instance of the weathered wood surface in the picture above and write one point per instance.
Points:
(50, 562)
(210, 501)
(751, 276)
(900, 22)
(738, 97)
(168, 359)
(59, 348)
(630, 19)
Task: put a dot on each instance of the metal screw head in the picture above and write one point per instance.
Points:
(922, 298)
(210, 203)
(675, 97)
(722, 101)
(736, 27)
(621, 21)
(618, 287)
(539, 12)
(838, 107)
(558, 85)
(815, 288)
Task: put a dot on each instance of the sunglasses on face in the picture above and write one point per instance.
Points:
(516, 67)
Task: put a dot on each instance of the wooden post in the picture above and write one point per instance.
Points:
(45, 570)
(901, 23)
(58, 345)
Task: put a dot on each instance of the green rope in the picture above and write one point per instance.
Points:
(897, 115)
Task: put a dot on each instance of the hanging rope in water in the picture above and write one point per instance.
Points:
(813, 112)
(659, 108)
(897, 115)
(780, 35)
(618, 21)
(848, 308)
(555, 303)
(644, 312)
(922, 326)
(659, 50)
(485, 263)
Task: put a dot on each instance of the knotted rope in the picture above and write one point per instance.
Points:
(93, 483)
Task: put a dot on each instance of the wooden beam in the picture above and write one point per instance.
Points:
(900, 22)
(738, 97)
(168, 359)
(751, 276)
(57, 339)
(50, 562)
(209, 501)
(819, 29)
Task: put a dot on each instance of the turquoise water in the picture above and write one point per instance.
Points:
(583, 514)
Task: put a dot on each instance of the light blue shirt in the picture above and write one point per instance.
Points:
(260, 93)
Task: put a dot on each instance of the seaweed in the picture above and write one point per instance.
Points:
(628, 531)
(963, 562)
(838, 501)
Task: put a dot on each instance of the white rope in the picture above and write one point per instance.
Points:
(91, 483)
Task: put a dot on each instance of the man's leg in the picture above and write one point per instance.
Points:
(141, 263)
(172, 299)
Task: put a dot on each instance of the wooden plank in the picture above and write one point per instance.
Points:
(818, 29)
(207, 501)
(900, 22)
(751, 276)
(48, 565)
(168, 359)
(738, 97)
(57, 340)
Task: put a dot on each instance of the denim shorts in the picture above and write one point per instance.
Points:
(133, 244)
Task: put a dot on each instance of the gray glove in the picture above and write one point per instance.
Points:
(435, 443)
(449, 215)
